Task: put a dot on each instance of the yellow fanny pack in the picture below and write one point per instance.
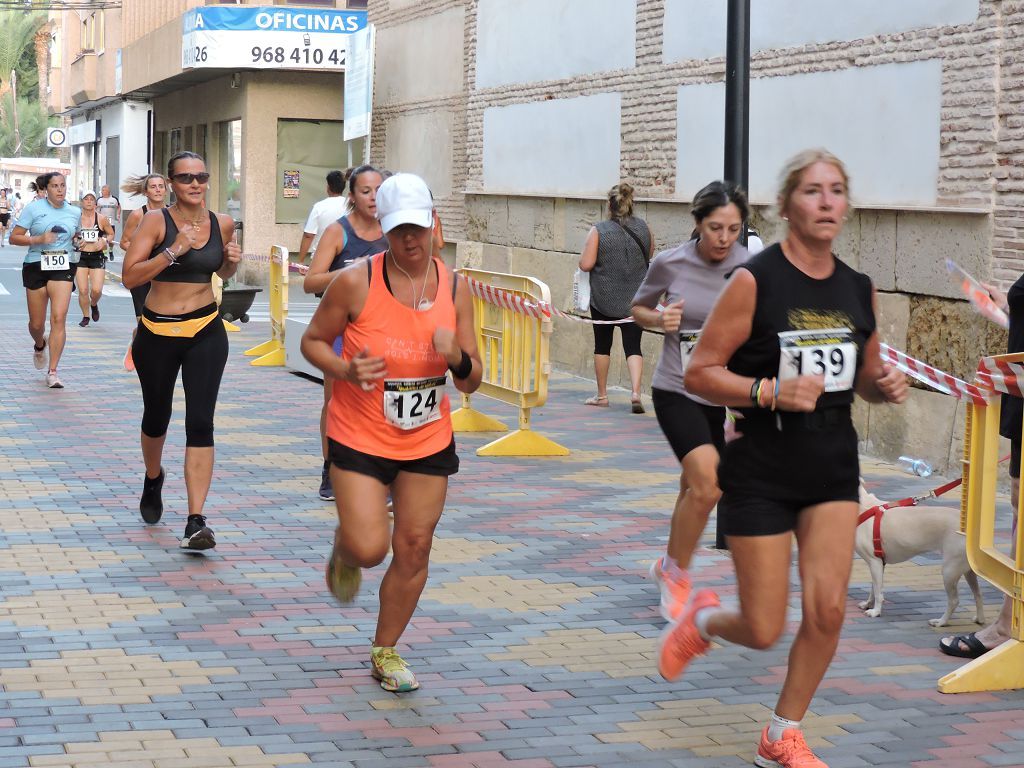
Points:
(183, 329)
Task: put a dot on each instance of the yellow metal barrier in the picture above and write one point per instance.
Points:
(272, 352)
(218, 293)
(514, 350)
(1001, 668)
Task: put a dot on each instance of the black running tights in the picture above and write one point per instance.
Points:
(201, 360)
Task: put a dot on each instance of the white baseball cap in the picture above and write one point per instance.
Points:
(89, 192)
(404, 199)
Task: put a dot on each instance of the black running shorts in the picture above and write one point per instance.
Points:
(443, 463)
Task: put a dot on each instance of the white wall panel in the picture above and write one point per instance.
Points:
(563, 146)
(695, 29)
(883, 122)
(530, 40)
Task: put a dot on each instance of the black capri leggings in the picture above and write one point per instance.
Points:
(631, 333)
(201, 359)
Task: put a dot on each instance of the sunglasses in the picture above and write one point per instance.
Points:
(188, 178)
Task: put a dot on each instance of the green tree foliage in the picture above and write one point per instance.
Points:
(32, 124)
(17, 53)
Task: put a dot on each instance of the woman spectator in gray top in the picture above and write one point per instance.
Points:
(690, 277)
(616, 255)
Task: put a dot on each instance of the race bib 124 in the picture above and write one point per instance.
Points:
(411, 403)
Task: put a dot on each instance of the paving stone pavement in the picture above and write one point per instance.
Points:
(534, 641)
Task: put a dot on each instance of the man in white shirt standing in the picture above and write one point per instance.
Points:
(110, 207)
(325, 212)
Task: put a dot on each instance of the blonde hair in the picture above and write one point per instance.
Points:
(620, 201)
(136, 185)
(789, 178)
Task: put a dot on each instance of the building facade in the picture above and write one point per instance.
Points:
(107, 131)
(256, 88)
(522, 115)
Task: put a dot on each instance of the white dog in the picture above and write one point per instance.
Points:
(910, 531)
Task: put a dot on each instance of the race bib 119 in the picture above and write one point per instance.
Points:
(90, 236)
(411, 403)
(54, 260)
(831, 353)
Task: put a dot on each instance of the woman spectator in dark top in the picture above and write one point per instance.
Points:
(616, 255)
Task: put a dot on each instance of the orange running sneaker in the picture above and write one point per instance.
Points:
(681, 642)
(675, 591)
(791, 751)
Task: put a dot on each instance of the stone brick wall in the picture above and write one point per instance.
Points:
(976, 219)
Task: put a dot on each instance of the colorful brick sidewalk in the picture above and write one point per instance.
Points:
(534, 641)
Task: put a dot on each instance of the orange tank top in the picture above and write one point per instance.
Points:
(406, 415)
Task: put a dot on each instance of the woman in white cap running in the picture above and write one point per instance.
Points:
(91, 241)
(406, 322)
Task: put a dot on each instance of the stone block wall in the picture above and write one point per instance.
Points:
(975, 218)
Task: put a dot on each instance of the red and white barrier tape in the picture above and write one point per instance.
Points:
(933, 377)
(1000, 376)
(542, 309)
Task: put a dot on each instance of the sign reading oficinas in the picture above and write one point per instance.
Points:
(256, 37)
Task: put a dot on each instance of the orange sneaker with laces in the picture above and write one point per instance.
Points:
(791, 751)
(674, 591)
(681, 642)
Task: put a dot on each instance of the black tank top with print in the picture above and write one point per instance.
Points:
(801, 326)
(806, 326)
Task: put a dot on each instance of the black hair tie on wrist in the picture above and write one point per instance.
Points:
(464, 368)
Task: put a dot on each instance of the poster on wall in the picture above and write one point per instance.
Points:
(258, 37)
(291, 185)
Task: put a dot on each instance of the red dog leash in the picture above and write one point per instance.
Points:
(911, 501)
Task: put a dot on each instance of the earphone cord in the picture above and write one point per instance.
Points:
(423, 290)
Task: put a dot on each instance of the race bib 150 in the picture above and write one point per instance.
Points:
(831, 352)
(411, 403)
(54, 260)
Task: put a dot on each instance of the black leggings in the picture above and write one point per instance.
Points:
(201, 359)
(631, 333)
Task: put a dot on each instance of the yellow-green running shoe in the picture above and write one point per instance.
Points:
(392, 671)
(342, 580)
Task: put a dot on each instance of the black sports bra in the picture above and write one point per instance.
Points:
(196, 265)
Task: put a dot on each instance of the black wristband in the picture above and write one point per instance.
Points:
(753, 392)
(464, 368)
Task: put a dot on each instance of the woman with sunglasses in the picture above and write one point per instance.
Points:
(154, 187)
(177, 250)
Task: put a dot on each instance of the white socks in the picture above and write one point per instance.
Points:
(700, 620)
(777, 725)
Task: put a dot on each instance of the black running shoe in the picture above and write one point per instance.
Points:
(83, 322)
(151, 505)
(326, 489)
(197, 535)
(95, 313)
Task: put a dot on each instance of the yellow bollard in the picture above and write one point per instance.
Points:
(1001, 668)
(514, 349)
(271, 353)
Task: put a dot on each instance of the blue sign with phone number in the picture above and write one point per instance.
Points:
(271, 19)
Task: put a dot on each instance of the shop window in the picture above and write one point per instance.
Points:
(229, 172)
(306, 151)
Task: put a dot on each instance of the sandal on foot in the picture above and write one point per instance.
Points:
(637, 405)
(974, 649)
(601, 401)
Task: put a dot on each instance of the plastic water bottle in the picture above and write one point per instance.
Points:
(918, 467)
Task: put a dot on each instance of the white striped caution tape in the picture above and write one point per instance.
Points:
(933, 377)
(541, 309)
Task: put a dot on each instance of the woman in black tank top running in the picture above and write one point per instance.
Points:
(352, 237)
(178, 250)
(94, 234)
(788, 344)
